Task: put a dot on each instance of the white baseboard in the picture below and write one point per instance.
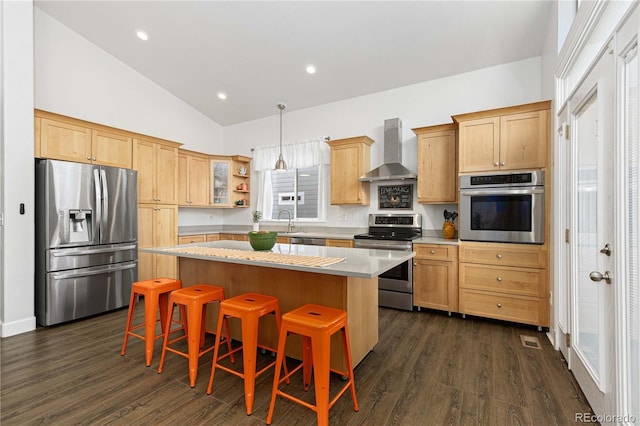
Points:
(12, 328)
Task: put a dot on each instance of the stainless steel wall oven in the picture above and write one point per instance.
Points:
(503, 207)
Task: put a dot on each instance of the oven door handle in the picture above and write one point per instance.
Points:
(528, 191)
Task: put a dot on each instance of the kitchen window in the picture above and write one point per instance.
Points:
(301, 189)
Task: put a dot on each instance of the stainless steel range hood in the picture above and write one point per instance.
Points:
(392, 169)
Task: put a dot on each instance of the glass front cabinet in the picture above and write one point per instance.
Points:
(221, 182)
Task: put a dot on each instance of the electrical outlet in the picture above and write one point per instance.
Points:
(342, 216)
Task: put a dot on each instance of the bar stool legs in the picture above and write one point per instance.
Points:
(248, 308)
(156, 295)
(316, 324)
(193, 300)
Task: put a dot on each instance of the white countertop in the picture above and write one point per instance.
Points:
(362, 263)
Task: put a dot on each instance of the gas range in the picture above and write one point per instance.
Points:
(392, 227)
(393, 232)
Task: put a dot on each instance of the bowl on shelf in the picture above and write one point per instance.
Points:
(262, 240)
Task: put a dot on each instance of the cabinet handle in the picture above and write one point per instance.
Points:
(499, 279)
(502, 163)
(432, 251)
(499, 256)
(415, 264)
(499, 305)
(89, 158)
(94, 158)
(495, 164)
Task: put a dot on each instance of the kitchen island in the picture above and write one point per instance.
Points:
(348, 281)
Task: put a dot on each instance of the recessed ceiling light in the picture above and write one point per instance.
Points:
(222, 96)
(311, 69)
(142, 35)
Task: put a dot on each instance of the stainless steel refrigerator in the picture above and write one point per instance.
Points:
(86, 239)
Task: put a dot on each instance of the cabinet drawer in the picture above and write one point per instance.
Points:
(213, 237)
(530, 282)
(436, 252)
(525, 255)
(283, 240)
(510, 308)
(338, 243)
(191, 239)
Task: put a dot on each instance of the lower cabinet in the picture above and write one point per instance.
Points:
(505, 281)
(234, 237)
(338, 243)
(435, 277)
(192, 239)
(157, 227)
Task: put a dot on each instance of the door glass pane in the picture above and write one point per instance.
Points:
(587, 315)
(633, 232)
(221, 182)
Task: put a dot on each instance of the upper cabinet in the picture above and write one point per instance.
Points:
(437, 165)
(64, 138)
(157, 166)
(510, 138)
(350, 159)
(193, 179)
(221, 169)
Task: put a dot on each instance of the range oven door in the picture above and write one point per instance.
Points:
(506, 215)
(395, 286)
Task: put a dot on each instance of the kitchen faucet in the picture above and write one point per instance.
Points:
(290, 225)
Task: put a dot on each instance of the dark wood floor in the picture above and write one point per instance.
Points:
(427, 368)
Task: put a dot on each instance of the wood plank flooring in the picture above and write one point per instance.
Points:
(428, 368)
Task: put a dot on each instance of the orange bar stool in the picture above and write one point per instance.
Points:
(156, 295)
(316, 324)
(195, 299)
(249, 308)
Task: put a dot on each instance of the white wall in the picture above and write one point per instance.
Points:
(424, 104)
(16, 172)
(76, 78)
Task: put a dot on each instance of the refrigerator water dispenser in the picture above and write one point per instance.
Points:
(79, 226)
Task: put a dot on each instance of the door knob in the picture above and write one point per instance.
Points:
(606, 250)
(597, 276)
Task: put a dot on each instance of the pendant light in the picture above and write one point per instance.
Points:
(281, 165)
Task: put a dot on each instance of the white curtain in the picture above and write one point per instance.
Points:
(298, 155)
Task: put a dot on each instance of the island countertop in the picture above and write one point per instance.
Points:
(355, 262)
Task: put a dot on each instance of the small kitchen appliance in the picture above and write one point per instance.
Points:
(393, 232)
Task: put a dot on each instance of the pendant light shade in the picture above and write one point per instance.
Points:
(281, 165)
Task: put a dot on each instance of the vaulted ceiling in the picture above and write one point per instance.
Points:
(256, 52)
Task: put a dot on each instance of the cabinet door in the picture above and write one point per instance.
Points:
(146, 232)
(220, 182)
(183, 180)
(435, 285)
(437, 171)
(64, 141)
(479, 145)
(166, 234)
(213, 237)
(111, 149)
(166, 180)
(191, 239)
(146, 166)
(338, 243)
(346, 168)
(523, 140)
(198, 181)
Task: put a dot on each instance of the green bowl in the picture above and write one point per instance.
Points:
(262, 240)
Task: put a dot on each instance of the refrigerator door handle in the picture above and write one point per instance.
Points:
(85, 252)
(105, 200)
(94, 271)
(98, 220)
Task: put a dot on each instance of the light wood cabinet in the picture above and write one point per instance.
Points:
(505, 281)
(350, 159)
(213, 237)
(435, 277)
(240, 180)
(338, 243)
(157, 227)
(67, 139)
(283, 240)
(220, 194)
(157, 166)
(437, 164)
(192, 239)
(234, 237)
(512, 138)
(193, 179)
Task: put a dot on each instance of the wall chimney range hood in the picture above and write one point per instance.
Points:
(392, 169)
